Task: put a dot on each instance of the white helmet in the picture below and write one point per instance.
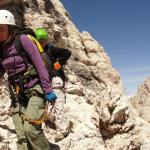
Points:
(6, 17)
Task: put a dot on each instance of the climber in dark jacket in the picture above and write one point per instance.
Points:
(57, 56)
(27, 92)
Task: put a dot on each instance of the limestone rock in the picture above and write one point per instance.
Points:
(90, 112)
(141, 101)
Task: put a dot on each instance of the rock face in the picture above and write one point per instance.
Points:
(142, 100)
(94, 114)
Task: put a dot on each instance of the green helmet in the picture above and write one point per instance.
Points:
(41, 34)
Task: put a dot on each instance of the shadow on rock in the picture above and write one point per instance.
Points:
(54, 146)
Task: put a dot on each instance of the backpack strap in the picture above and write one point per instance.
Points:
(36, 42)
(20, 50)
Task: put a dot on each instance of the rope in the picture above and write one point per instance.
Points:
(40, 120)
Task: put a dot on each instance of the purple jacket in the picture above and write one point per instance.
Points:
(14, 64)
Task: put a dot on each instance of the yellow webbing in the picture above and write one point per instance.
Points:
(37, 121)
(38, 46)
(36, 42)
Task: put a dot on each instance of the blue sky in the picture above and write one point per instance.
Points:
(123, 29)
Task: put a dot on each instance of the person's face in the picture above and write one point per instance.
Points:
(42, 42)
(4, 32)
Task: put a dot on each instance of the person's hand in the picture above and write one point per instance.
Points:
(57, 66)
(51, 97)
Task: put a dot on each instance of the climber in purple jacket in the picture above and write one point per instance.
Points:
(29, 91)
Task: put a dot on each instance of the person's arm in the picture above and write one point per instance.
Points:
(61, 54)
(35, 57)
